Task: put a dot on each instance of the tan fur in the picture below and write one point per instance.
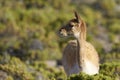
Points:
(79, 51)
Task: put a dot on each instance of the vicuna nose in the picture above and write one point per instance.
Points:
(60, 30)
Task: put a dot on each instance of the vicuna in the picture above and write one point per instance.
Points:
(79, 55)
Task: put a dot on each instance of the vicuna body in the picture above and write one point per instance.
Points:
(79, 55)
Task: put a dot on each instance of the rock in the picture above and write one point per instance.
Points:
(3, 75)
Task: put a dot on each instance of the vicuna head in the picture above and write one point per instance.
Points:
(75, 27)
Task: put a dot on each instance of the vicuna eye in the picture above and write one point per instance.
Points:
(71, 25)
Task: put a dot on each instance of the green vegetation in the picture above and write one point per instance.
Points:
(28, 37)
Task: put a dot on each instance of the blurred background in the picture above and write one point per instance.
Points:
(30, 48)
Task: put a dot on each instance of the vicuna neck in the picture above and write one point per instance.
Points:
(81, 39)
(80, 50)
(81, 42)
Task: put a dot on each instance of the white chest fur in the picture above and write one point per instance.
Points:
(90, 68)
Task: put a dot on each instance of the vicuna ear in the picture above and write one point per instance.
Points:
(77, 16)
